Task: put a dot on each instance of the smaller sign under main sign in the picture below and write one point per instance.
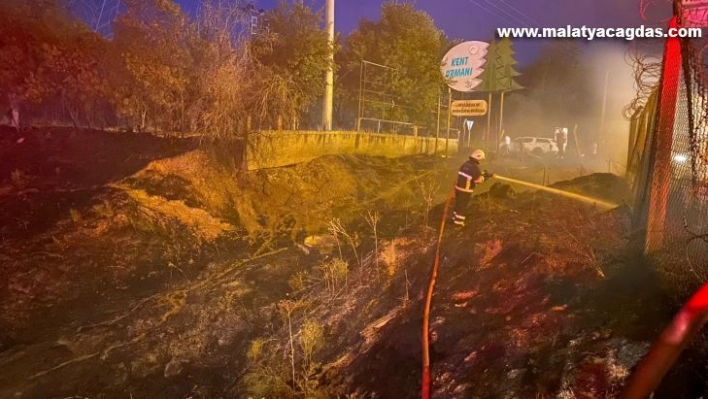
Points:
(469, 108)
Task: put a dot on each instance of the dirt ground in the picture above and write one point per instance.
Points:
(131, 267)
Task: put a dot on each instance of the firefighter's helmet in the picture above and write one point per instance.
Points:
(478, 155)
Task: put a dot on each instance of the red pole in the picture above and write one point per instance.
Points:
(664, 352)
(661, 175)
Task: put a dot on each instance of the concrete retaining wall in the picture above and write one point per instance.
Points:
(273, 149)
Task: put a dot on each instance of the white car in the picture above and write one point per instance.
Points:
(534, 145)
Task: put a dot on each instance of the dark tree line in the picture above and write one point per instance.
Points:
(164, 71)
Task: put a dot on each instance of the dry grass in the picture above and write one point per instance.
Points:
(291, 201)
(394, 255)
(202, 225)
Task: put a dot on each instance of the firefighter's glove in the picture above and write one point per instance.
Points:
(487, 175)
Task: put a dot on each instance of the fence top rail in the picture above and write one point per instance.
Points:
(339, 132)
(378, 65)
(388, 121)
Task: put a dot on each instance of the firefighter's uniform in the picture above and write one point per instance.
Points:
(468, 177)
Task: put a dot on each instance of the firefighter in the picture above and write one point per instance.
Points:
(467, 178)
(560, 142)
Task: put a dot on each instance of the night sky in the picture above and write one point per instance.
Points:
(478, 19)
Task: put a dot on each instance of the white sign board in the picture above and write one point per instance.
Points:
(461, 66)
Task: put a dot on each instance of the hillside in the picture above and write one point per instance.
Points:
(158, 273)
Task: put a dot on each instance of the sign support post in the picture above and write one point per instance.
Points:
(449, 119)
(501, 123)
(489, 121)
(437, 131)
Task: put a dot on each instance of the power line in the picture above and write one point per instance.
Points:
(97, 14)
(533, 21)
(108, 16)
(486, 9)
(506, 13)
(523, 15)
(529, 20)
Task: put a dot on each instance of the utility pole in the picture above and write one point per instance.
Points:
(360, 112)
(604, 106)
(329, 78)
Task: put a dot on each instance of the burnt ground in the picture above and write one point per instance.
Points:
(522, 309)
(126, 272)
(54, 169)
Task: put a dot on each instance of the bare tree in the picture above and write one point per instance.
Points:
(236, 88)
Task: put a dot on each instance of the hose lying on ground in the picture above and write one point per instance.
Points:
(434, 274)
(428, 300)
(657, 362)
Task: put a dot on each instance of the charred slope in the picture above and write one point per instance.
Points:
(160, 284)
(539, 295)
(185, 280)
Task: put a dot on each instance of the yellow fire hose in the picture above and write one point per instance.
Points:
(600, 203)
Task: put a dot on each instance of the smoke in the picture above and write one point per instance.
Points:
(593, 89)
(612, 75)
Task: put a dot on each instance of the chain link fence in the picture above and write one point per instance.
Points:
(668, 167)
